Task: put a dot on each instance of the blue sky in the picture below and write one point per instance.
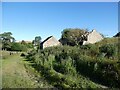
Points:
(29, 19)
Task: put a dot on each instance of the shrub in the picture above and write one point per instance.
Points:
(18, 47)
(108, 49)
(61, 66)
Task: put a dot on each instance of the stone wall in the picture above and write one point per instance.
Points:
(93, 37)
(51, 42)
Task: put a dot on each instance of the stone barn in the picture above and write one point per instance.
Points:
(92, 37)
(49, 42)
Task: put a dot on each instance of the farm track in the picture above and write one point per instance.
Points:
(16, 75)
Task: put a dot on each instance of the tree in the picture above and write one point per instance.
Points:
(6, 38)
(37, 41)
(72, 37)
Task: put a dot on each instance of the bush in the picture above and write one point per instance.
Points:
(108, 49)
(18, 47)
(62, 65)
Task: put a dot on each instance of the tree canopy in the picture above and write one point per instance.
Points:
(6, 39)
(71, 36)
(7, 36)
(37, 40)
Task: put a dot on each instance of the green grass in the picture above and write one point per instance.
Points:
(14, 74)
(17, 73)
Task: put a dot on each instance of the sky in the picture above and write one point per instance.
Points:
(29, 19)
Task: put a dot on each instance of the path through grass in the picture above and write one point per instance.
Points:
(16, 75)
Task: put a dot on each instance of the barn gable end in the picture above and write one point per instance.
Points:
(93, 37)
(49, 42)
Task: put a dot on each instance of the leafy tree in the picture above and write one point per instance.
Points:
(6, 38)
(72, 37)
(37, 41)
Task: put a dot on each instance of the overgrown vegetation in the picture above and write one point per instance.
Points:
(79, 67)
(72, 65)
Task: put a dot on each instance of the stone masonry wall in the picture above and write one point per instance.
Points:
(93, 37)
(51, 42)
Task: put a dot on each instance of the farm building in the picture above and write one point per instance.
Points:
(50, 41)
(92, 37)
